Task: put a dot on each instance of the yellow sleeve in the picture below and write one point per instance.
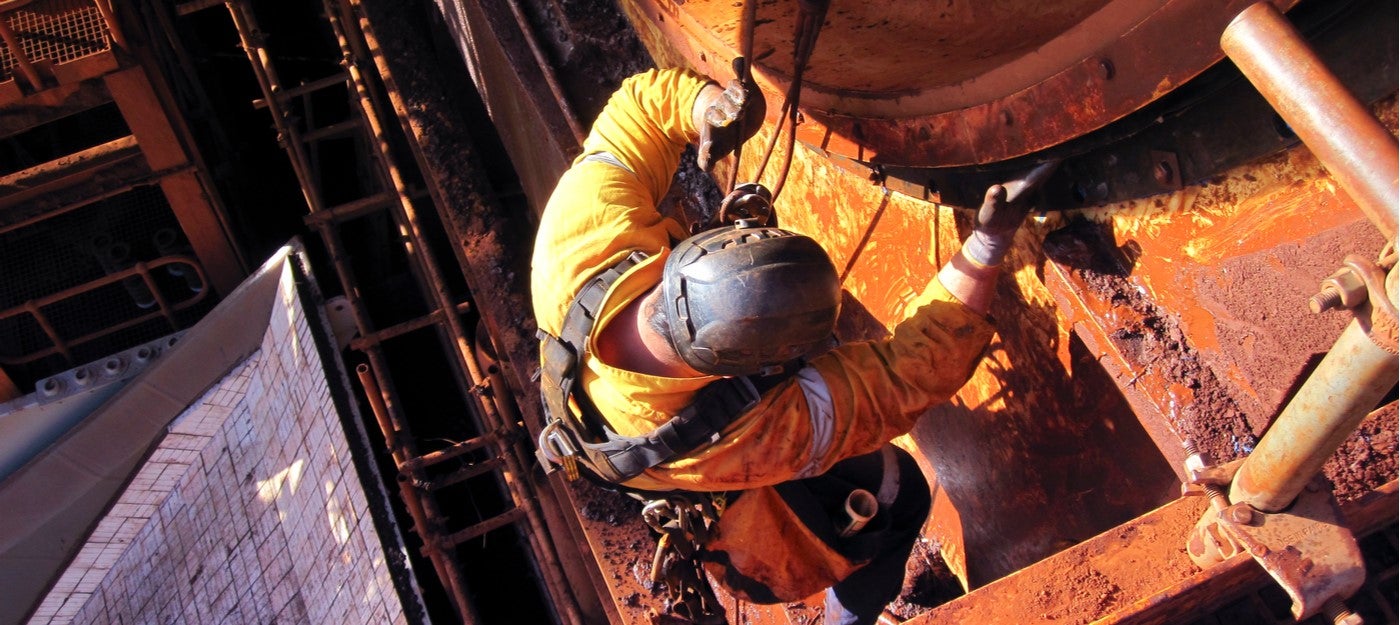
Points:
(605, 204)
(877, 390)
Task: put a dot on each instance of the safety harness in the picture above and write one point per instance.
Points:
(576, 436)
(578, 439)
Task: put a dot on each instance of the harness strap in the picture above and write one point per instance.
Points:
(575, 433)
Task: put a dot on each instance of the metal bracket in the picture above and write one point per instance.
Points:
(1306, 548)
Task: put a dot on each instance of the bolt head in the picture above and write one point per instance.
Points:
(1240, 513)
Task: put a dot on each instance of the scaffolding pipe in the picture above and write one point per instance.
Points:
(1359, 152)
(250, 39)
(421, 251)
(445, 567)
(1346, 386)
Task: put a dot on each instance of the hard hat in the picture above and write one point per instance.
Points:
(744, 299)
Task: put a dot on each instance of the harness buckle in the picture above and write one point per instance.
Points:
(556, 450)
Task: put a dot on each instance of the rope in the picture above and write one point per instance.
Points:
(809, 22)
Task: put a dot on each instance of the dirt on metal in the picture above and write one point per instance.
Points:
(599, 50)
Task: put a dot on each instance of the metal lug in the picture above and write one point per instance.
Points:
(1306, 548)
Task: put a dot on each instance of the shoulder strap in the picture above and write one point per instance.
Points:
(576, 434)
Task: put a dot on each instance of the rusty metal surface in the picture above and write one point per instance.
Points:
(1040, 424)
(1337, 127)
(1348, 383)
(1014, 438)
(1306, 549)
(536, 128)
(1137, 573)
(896, 109)
(1279, 225)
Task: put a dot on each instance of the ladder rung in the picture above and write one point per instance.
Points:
(500, 520)
(461, 475)
(363, 342)
(351, 210)
(194, 6)
(333, 130)
(300, 90)
(442, 455)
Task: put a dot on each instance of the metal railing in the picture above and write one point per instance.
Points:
(138, 281)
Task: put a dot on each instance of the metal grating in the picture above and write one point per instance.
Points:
(55, 31)
(84, 245)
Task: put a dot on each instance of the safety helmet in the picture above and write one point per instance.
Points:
(744, 299)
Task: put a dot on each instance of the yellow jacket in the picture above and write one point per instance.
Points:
(847, 402)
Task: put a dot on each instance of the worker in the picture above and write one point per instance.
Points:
(705, 364)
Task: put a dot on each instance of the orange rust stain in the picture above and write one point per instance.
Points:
(1184, 235)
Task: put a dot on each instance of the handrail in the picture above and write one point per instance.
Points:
(164, 308)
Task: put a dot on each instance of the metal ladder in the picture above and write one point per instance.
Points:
(500, 433)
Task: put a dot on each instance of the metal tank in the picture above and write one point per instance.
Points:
(1222, 164)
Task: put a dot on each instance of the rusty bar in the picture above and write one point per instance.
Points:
(354, 209)
(26, 66)
(432, 458)
(461, 475)
(334, 130)
(304, 89)
(350, 210)
(420, 251)
(195, 6)
(33, 307)
(249, 37)
(1337, 127)
(1348, 383)
(161, 306)
(100, 155)
(425, 519)
(152, 178)
(411, 325)
(501, 520)
(381, 414)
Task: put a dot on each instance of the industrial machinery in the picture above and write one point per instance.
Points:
(1188, 413)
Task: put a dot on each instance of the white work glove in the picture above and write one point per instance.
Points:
(731, 117)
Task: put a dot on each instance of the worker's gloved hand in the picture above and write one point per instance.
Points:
(1003, 210)
(997, 223)
(731, 117)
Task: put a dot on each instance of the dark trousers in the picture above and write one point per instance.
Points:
(885, 542)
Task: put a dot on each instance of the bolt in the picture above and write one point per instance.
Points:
(1336, 610)
(1195, 460)
(1241, 513)
(1326, 299)
(1162, 172)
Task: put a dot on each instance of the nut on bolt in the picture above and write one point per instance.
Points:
(1336, 610)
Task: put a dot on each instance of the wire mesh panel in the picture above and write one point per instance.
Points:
(61, 254)
(56, 31)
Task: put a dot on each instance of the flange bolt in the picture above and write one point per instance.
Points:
(1336, 610)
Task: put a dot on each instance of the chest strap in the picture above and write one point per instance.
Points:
(575, 433)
